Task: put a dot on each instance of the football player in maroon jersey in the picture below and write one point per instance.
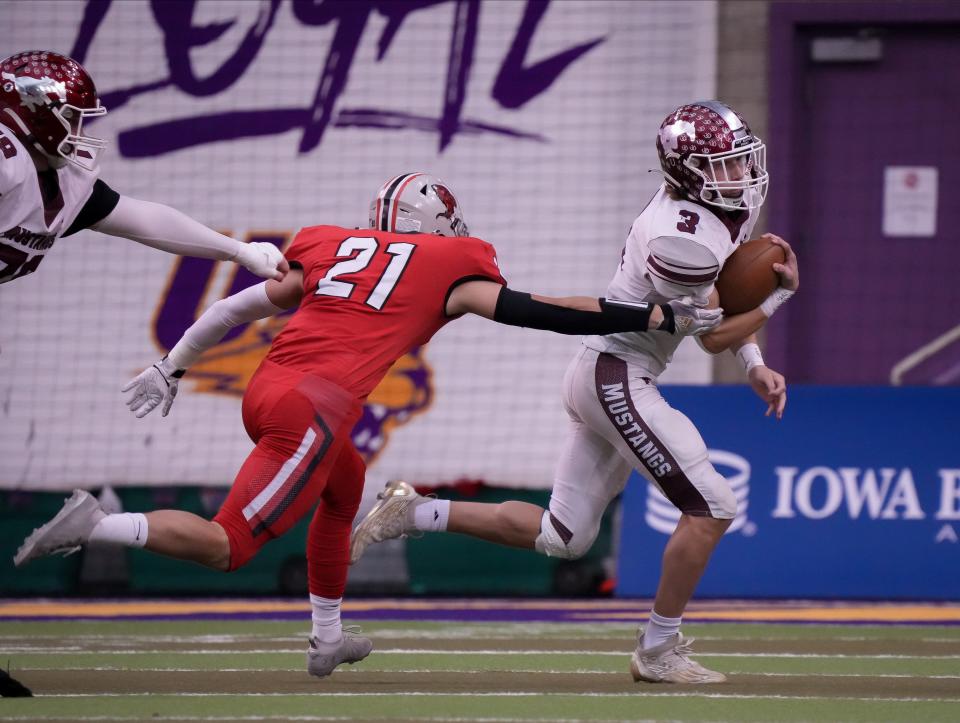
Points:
(49, 185)
(364, 298)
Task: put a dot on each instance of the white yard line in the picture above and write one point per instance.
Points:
(457, 634)
(426, 651)
(464, 671)
(432, 719)
(503, 694)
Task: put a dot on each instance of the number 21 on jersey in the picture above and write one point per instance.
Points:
(361, 250)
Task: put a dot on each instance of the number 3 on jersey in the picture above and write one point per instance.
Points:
(688, 221)
(361, 250)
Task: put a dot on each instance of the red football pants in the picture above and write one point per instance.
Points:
(301, 425)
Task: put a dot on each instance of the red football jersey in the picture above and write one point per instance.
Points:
(371, 296)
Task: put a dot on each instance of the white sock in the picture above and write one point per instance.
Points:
(432, 515)
(124, 528)
(326, 618)
(659, 630)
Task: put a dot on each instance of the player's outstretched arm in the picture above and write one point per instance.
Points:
(577, 314)
(165, 228)
(157, 384)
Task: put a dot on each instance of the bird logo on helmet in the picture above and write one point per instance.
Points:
(447, 199)
(709, 155)
(450, 212)
(44, 99)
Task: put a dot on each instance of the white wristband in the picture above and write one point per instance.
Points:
(750, 356)
(775, 300)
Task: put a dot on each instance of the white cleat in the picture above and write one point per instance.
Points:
(668, 663)
(67, 532)
(391, 517)
(322, 658)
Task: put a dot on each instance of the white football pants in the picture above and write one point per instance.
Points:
(618, 422)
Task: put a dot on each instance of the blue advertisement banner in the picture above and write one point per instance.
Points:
(854, 494)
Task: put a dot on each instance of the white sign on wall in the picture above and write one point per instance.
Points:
(909, 201)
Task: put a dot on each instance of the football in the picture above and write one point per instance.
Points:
(747, 277)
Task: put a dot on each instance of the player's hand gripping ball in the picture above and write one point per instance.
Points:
(747, 277)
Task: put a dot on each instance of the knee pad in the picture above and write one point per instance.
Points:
(556, 540)
(715, 489)
(724, 505)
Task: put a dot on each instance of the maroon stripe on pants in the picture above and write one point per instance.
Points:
(613, 391)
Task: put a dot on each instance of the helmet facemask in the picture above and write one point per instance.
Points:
(736, 180)
(77, 148)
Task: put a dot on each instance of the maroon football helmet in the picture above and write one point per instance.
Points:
(708, 154)
(44, 98)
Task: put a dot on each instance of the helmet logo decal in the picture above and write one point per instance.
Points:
(35, 92)
(447, 199)
(671, 136)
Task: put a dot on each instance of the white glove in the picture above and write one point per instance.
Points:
(261, 258)
(690, 318)
(153, 385)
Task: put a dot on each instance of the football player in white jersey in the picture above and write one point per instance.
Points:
(49, 185)
(715, 181)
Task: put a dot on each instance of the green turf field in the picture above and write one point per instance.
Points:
(252, 671)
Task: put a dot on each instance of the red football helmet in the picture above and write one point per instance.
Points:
(708, 154)
(417, 203)
(44, 97)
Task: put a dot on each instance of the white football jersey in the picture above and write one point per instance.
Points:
(30, 220)
(675, 248)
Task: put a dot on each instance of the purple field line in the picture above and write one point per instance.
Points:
(451, 617)
(499, 611)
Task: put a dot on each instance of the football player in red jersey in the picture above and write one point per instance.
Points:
(365, 298)
(49, 185)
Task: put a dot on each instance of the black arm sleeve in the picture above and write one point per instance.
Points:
(101, 202)
(519, 309)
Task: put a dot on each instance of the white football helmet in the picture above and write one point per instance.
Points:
(417, 203)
